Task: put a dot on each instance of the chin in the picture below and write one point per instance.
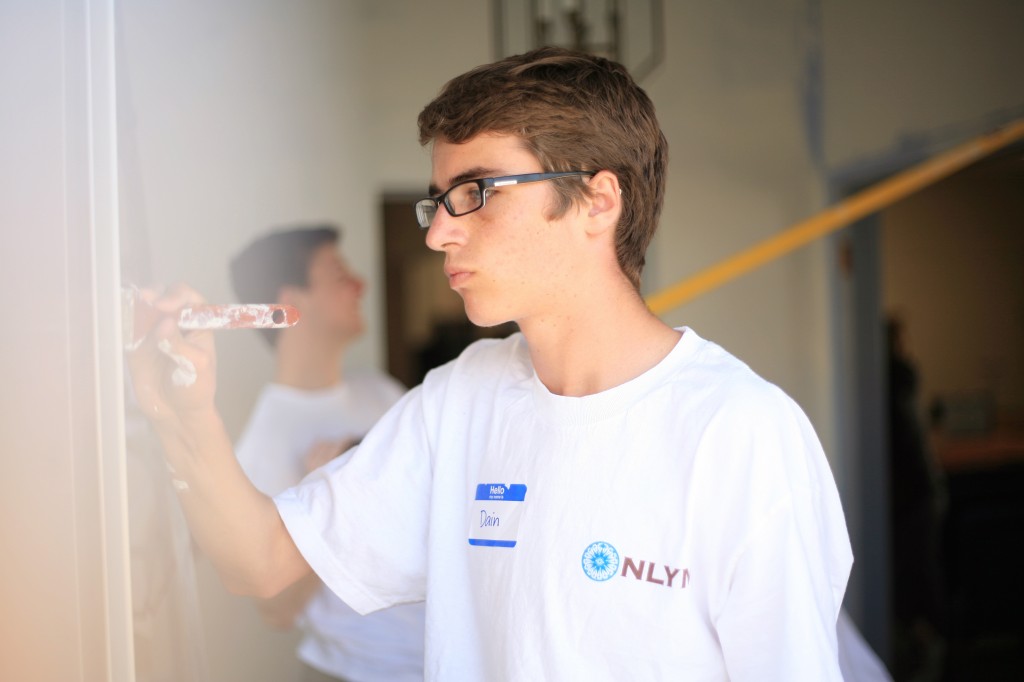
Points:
(482, 317)
(483, 309)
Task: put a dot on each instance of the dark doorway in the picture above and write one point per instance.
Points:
(945, 265)
(953, 279)
(426, 322)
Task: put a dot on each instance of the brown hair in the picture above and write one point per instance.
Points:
(574, 111)
(277, 259)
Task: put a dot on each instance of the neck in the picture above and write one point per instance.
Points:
(307, 363)
(597, 346)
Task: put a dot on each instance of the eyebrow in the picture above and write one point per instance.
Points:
(470, 174)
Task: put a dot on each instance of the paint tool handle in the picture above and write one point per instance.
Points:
(139, 317)
(238, 316)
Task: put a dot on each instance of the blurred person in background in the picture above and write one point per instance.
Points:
(314, 410)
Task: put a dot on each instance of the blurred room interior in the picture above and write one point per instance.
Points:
(150, 140)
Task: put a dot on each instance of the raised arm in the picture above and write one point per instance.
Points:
(174, 378)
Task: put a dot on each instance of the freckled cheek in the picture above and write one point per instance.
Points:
(517, 263)
(518, 247)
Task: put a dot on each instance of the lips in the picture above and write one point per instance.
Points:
(456, 276)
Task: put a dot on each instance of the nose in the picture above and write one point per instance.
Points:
(444, 230)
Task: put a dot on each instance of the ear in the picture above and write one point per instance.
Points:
(605, 202)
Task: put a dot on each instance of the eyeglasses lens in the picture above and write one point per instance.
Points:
(461, 199)
(425, 211)
(465, 198)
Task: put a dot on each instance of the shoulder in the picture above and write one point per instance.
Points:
(748, 425)
(758, 455)
(727, 387)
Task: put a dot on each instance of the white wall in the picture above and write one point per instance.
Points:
(412, 49)
(917, 73)
(730, 100)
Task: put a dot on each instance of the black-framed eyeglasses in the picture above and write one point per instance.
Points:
(471, 195)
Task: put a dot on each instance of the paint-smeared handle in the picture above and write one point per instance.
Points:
(239, 316)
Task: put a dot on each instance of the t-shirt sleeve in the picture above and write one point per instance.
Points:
(785, 581)
(363, 526)
(776, 626)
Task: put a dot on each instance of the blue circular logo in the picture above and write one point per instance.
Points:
(600, 561)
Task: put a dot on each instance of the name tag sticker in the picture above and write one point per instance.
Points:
(494, 514)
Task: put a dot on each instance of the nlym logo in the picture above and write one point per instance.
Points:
(601, 562)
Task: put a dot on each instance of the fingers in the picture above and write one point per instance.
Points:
(172, 373)
(171, 302)
(146, 308)
(188, 367)
(185, 373)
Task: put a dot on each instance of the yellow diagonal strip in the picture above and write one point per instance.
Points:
(835, 217)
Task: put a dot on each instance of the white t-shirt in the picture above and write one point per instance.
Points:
(683, 525)
(286, 422)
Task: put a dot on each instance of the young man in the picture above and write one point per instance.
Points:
(312, 411)
(598, 497)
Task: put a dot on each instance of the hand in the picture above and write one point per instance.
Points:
(324, 451)
(174, 375)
